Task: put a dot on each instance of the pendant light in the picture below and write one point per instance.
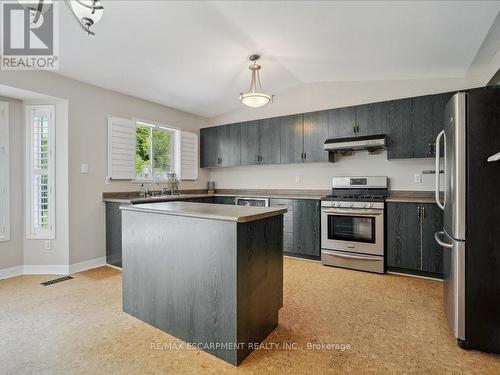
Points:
(87, 13)
(255, 96)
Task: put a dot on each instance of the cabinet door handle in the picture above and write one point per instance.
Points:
(305, 156)
(423, 212)
(432, 150)
(419, 214)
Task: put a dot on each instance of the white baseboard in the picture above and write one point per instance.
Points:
(87, 265)
(115, 267)
(11, 272)
(52, 269)
(45, 269)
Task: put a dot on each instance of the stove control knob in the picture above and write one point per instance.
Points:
(351, 205)
(362, 205)
(369, 205)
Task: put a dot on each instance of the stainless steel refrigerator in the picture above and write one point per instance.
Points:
(470, 201)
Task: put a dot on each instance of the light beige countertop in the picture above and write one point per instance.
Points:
(159, 198)
(239, 214)
(404, 196)
(132, 197)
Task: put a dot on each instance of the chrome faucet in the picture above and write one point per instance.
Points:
(147, 186)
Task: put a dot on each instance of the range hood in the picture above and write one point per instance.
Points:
(371, 143)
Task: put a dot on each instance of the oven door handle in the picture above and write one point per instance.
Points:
(352, 212)
(349, 256)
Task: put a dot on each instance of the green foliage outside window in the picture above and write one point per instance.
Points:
(161, 152)
(161, 144)
(142, 149)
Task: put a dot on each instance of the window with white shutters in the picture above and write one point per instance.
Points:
(40, 168)
(188, 156)
(121, 148)
(4, 173)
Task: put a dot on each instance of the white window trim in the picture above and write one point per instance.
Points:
(49, 234)
(175, 131)
(5, 175)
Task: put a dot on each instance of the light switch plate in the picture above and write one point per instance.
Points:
(48, 244)
(417, 178)
(84, 168)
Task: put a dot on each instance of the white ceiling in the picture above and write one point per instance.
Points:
(193, 55)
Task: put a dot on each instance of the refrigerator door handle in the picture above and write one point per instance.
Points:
(437, 237)
(438, 153)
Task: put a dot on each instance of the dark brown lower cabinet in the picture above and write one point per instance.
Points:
(410, 238)
(301, 227)
(114, 234)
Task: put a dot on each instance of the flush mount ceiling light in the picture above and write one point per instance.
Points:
(255, 97)
(86, 12)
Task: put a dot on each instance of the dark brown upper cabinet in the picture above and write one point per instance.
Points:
(209, 147)
(250, 135)
(292, 139)
(342, 122)
(270, 141)
(229, 145)
(413, 125)
(315, 135)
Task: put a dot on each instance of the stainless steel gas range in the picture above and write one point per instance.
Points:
(352, 223)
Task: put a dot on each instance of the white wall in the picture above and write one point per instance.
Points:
(88, 108)
(318, 96)
(11, 252)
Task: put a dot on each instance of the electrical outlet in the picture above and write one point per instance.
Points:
(84, 168)
(48, 244)
(417, 178)
(297, 179)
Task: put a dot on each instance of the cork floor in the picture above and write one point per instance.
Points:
(368, 323)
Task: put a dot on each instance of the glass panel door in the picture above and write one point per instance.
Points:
(351, 228)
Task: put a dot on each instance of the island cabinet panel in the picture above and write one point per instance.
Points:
(301, 227)
(342, 122)
(229, 145)
(372, 118)
(260, 280)
(113, 234)
(315, 135)
(250, 137)
(212, 282)
(410, 238)
(270, 141)
(209, 147)
(292, 139)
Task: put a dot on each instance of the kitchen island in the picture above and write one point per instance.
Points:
(208, 274)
